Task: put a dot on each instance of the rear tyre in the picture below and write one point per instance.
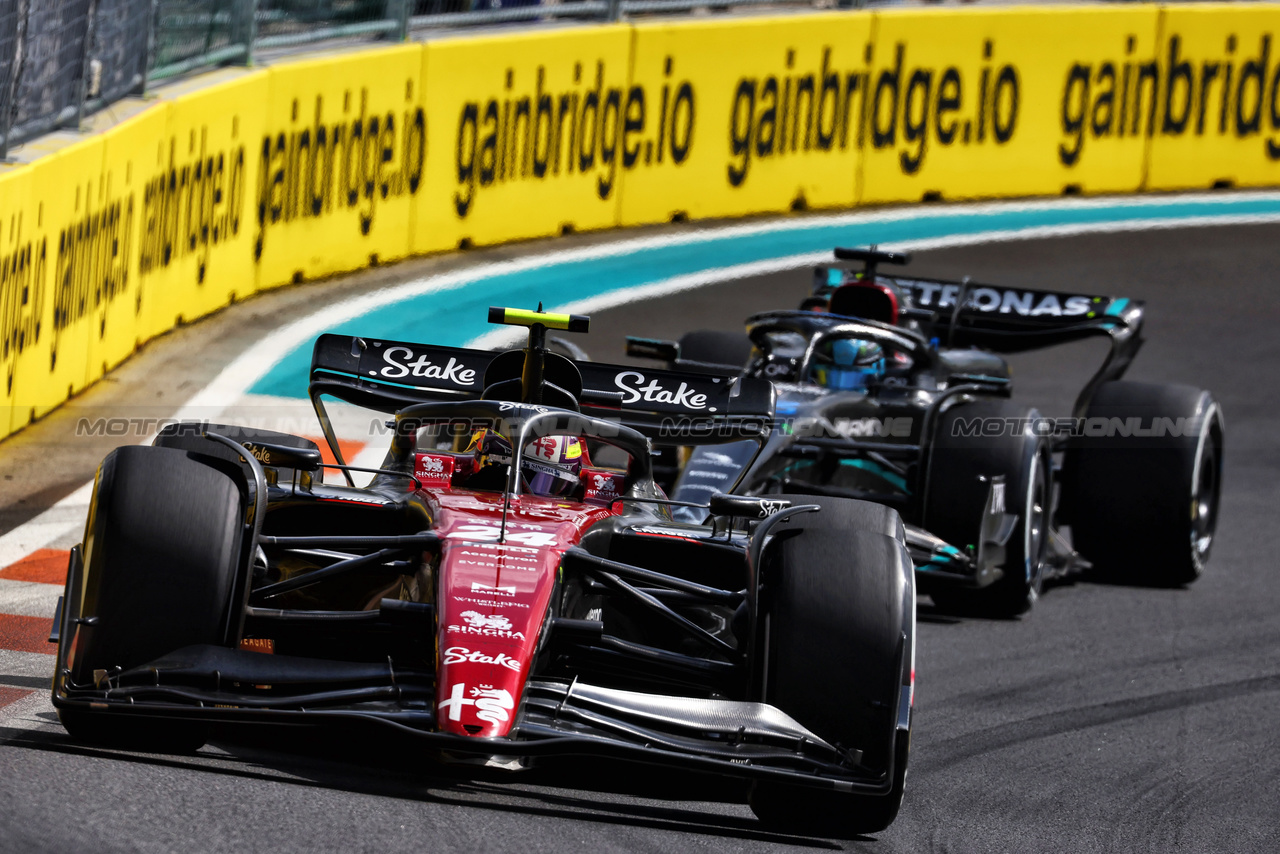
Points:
(837, 634)
(957, 499)
(162, 550)
(1144, 509)
(714, 347)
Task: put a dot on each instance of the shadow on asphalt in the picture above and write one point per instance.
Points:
(372, 763)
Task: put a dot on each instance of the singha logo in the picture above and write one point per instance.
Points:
(476, 620)
(431, 465)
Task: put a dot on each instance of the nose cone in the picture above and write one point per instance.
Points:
(493, 598)
(488, 632)
(484, 660)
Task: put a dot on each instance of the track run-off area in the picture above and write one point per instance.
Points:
(1110, 718)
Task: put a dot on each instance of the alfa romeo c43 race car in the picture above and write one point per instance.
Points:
(893, 389)
(510, 585)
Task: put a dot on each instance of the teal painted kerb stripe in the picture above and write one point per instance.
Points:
(456, 316)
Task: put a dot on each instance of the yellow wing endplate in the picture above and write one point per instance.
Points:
(523, 317)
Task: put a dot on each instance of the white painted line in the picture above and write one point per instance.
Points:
(28, 598)
(34, 712)
(62, 519)
(28, 665)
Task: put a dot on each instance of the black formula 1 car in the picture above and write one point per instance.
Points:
(510, 585)
(892, 389)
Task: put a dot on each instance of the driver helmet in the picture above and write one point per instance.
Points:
(490, 448)
(849, 364)
(549, 466)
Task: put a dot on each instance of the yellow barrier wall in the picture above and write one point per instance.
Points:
(65, 197)
(524, 135)
(20, 309)
(339, 162)
(991, 102)
(197, 198)
(128, 153)
(736, 117)
(239, 180)
(1218, 114)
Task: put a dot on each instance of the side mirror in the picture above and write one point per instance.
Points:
(745, 506)
(283, 456)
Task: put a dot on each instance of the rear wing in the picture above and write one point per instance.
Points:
(999, 318)
(667, 406)
(1011, 320)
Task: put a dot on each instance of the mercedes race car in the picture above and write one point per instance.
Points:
(894, 390)
(510, 585)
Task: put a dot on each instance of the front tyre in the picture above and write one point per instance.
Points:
(963, 461)
(836, 637)
(162, 549)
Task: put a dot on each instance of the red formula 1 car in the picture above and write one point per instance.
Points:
(510, 585)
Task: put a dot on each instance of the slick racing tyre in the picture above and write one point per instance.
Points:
(162, 549)
(961, 466)
(713, 347)
(836, 638)
(1143, 507)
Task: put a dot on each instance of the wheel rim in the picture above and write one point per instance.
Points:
(1034, 528)
(1204, 497)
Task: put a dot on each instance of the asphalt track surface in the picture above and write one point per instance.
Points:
(1109, 719)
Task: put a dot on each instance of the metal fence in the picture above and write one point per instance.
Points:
(62, 58)
(58, 58)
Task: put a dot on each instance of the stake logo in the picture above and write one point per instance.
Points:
(399, 366)
(768, 508)
(635, 389)
(462, 655)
